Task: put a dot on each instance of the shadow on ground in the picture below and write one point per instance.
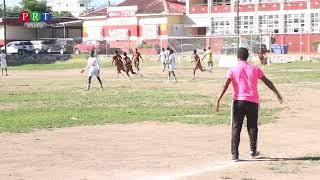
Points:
(306, 158)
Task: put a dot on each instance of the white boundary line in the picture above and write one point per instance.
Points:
(177, 175)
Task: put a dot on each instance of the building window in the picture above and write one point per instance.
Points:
(315, 22)
(247, 1)
(220, 25)
(294, 23)
(220, 2)
(245, 24)
(82, 5)
(269, 24)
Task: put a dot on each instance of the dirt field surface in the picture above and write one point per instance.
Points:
(290, 147)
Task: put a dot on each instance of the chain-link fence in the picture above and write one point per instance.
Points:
(263, 48)
(271, 44)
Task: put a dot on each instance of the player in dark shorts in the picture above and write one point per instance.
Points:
(136, 60)
(197, 61)
(244, 78)
(262, 56)
(128, 63)
(117, 61)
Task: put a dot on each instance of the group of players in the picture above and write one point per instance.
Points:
(168, 60)
(122, 63)
(125, 64)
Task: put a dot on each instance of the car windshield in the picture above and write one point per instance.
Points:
(48, 42)
(27, 43)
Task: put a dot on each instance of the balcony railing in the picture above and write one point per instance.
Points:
(221, 9)
(198, 9)
(251, 7)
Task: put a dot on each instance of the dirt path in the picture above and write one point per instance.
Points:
(290, 147)
(155, 150)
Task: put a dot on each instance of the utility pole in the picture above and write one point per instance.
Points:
(4, 25)
(238, 26)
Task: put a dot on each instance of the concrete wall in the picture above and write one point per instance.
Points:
(17, 32)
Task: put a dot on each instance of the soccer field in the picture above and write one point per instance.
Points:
(48, 96)
(148, 127)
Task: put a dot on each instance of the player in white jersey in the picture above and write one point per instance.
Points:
(3, 62)
(167, 53)
(162, 56)
(94, 69)
(171, 66)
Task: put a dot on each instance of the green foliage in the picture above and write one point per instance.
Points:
(316, 44)
(62, 14)
(10, 11)
(145, 45)
(35, 5)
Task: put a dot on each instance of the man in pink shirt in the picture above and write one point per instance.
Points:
(244, 78)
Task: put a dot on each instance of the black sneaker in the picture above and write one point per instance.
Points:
(235, 158)
(254, 154)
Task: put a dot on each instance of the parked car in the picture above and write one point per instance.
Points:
(38, 46)
(19, 47)
(88, 45)
(62, 46)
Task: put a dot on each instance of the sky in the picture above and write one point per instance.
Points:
(95, 3)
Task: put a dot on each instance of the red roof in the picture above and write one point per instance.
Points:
(99, 12)
(147, 7)
(176, 7)
(155, 6)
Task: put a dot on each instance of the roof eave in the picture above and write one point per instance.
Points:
(160, 14)
(93, 17)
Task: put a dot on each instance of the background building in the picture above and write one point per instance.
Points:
(76, 7)
(57, 28)
(294, 23)
(136, 23)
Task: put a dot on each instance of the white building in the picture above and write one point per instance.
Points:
(73, 6)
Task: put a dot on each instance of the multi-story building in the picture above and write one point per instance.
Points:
(76, 7)
(295, 23)
(292, 23)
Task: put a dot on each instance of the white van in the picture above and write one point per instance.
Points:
(19, 47)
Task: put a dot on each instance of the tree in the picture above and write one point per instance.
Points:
(62, 14)
(10, 11)
(35, 5)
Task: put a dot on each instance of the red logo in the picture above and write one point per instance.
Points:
(24, 16)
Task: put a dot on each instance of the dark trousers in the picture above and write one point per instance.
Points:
(241, 109)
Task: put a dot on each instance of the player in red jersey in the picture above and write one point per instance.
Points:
(136, 60)
(197, 61)
(128, 63)
(118, 62)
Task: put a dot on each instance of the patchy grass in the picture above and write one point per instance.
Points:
(293, 165)
(225, 177)
(76, 62)
(302, 72)
(65, 103)
(53, 109)
(248, 178)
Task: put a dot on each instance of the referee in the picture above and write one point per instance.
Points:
(244, 78)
